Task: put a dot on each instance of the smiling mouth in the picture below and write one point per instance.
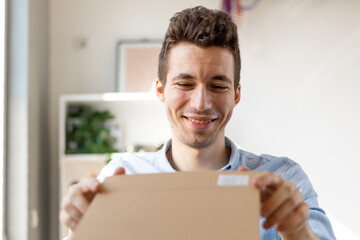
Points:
(199, 121)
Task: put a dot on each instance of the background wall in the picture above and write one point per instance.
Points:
(301, 69)
(300, 66)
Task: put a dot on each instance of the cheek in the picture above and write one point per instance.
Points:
(175, 100)
(226, 107)
(226, 104)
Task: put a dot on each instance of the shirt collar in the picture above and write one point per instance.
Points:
(233, 163)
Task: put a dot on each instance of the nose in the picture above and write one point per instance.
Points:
(201, 98)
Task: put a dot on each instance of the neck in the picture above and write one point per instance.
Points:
(186, 158)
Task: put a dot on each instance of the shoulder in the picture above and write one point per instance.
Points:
(288, 169)
(139, 163)
(282, 166)
(133, 164)
(264, 162)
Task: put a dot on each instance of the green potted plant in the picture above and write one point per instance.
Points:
(86, 131)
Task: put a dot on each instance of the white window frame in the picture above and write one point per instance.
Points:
(2, 114)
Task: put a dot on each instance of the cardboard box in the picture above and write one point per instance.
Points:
(209, 205)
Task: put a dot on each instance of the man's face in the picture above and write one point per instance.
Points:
(199, 94)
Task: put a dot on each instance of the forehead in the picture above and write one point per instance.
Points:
(188, 56)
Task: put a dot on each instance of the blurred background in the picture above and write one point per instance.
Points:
(63, 59)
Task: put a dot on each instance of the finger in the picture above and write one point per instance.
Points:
(284, 210)
(73, 212)
(284, 192)
(119, 171)
(296, 220)
(72, 225)
(266, 179)
(243, 169)
(81, 202)
(90, 184)
(68, 220)
(75, 199)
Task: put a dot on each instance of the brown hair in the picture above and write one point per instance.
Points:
(205, 28)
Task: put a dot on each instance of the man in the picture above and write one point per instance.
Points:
(198, 82)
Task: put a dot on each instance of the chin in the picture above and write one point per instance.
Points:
(199, 142)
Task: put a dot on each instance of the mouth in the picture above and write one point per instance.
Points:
(200, 122)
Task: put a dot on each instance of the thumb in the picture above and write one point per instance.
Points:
(243, 169)
(119, 171)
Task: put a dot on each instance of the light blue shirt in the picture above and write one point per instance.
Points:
(286, 168)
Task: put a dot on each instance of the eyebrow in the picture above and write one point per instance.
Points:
(216, 77)
(183, 76)
(222, 78)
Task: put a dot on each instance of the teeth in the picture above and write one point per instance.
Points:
(199, 121)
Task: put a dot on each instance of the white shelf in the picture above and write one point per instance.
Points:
(109, 97)
(85, 157)
(95, 157)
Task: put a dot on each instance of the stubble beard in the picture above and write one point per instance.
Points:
(196, 140)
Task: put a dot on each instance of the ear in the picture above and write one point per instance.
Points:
(237, 94)
(159, 90)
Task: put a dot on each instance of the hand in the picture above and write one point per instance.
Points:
(283, 206)
(78, 199)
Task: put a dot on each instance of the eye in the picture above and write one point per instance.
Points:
(184, 85)
(219, 87)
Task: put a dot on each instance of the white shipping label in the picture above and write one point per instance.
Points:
(233, 180)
